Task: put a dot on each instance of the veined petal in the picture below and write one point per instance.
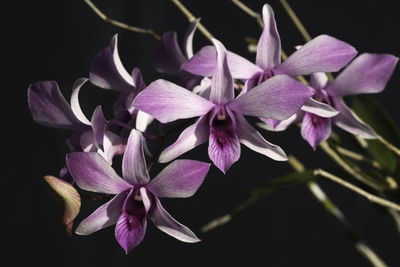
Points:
(99, 125)
(104, 216)
(75, 106)
(269, 46)
(163, 221)
(322, 54)
(134, 167)
(107, 71)
(179, 179)
(367, 74)
(49, 107)
(315, 129)
(93, 173)
(169, 56)
(348, 120)
(318, 108)
(130, 231)
(251, 138)
(168, 102)
(194, 135)
(221, 82)
(223, 145)
(277, 98)
(204, 61)
(67, 196)
(188, 40)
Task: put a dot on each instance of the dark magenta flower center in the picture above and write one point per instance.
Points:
(222, 126)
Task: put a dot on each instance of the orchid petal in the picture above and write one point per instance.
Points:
(322, 54)
(75, 106)
(315, 129)
(223, 149)
(93, 173)
(319, 108)
(99, 125)
(272, 122)
(269, 46)
(282, 125)
(277, 98)
(251, 138)
(130, 231)
(180, 179)
(194, 135)
(188, 40)
(134, 167)
(318, 80)
(113, 145)
(138, 80)
(107, 71)
(368, 73)
(221, 82)
(87, 143)
(169, 56)
(143, 120)
(168, 102)
(204, 88)
(67, 195)
(203, 63)
(145, 199)
(163, 221)
(349, 121)
(104, 216)
(49, 107)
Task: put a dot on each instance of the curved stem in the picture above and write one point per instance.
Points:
(121, 24)
(296, 21)
(370, 197)
(359, 157)
(349, 169)
(339, 216)
(191, 18)
(250, 12)
(389, 145)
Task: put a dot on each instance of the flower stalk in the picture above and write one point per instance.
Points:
(122, 25)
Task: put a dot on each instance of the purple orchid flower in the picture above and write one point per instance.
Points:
(368, 73)
(108, 72)
(222, 119)
(136, 197)
(322, 54)
(169, 56)
(49, 107)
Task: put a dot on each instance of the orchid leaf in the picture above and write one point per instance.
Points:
(68, 197)
(375, 115)
(260, 193)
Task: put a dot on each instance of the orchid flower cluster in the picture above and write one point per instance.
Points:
(218, 90)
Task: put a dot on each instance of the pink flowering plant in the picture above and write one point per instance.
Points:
(221, 100)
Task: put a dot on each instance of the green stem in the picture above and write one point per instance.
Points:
(349, 169)
(339, 217)
(121, 24)
(191, 18)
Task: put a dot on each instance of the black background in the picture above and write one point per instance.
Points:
(56, 40)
